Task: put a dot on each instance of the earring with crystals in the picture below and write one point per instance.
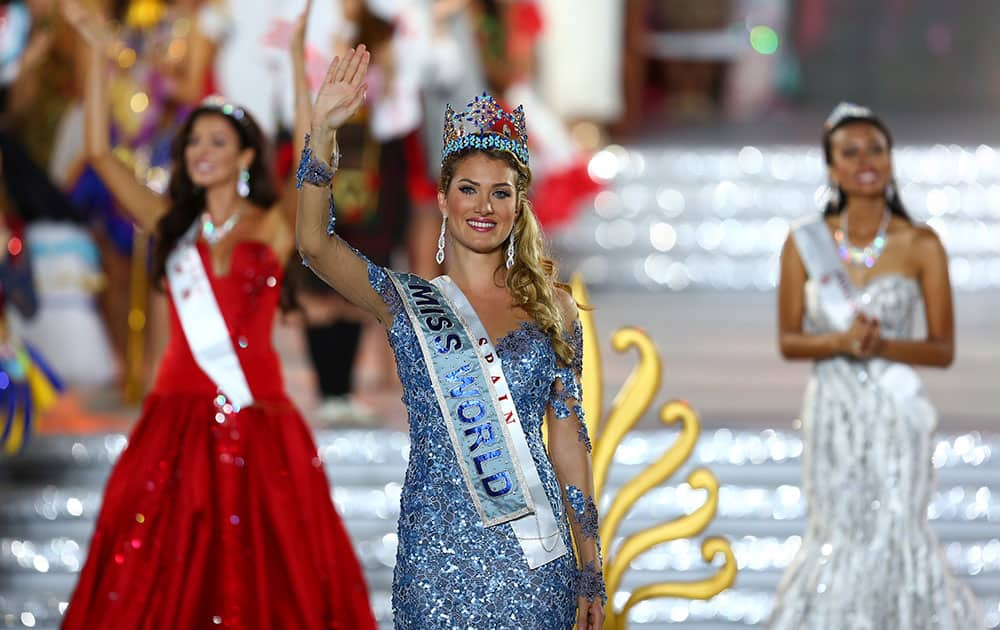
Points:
(833, 196)
(890, 191)
(510, 251)
(440, 253)
(243, 185)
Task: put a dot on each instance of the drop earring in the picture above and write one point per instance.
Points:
(440, 253)
(890, 191)
(834, 194)
(243, 185)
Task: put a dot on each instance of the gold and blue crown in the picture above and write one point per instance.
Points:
(485, 125)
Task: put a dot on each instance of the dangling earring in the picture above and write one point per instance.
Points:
(890, 191)
(833, 196)
(243, 185)
(440, 254)
(510, 251)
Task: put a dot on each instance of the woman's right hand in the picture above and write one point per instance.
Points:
(92, 27)
(343, 90)
(860, 339)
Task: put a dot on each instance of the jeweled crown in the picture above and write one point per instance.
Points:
(485, 125)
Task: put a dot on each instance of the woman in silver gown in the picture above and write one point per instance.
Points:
(869, 559)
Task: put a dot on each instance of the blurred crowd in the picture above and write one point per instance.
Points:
(75, 270)
(75, 274)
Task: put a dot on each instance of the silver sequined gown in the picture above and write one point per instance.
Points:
(451, 572)
(869, 560)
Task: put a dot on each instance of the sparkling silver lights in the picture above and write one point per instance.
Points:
(761, 510)
(721, 214)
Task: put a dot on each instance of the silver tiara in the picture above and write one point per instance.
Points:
(847, 110)
(224, 107)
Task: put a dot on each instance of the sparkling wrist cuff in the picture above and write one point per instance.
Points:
(313, 171)
(590, 583)
(317, 173)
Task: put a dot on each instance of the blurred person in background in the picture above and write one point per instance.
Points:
(64, 272)
(508, 32)
(681, 77)
(373, 201)
(251, 65)
(450, 75)
(580, 62)
(852, 283)
(158, 64)
(219, 511)
(384, 191)
(28, 385)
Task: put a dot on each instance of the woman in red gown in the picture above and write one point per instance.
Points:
(214, 516)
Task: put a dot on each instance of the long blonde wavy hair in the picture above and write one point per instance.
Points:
(532, 281)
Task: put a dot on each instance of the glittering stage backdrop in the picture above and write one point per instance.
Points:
(47, 519)
(715, 217)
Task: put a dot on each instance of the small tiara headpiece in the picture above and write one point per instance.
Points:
(485, 125)
(844, 111)
(224, 107)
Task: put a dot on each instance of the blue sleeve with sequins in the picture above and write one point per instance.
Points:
(378, 277)
(583, 511)
(567, 389)
(566, 399)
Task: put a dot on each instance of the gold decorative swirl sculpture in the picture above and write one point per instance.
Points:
(629, 406)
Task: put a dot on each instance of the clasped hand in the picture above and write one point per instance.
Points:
(864, 338)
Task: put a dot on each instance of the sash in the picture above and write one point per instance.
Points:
(202, 322)
(838, 300)
(483, 424)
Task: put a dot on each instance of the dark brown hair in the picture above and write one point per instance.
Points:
(187, 201)
(894, 202)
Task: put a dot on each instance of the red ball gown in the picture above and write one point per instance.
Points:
(216, 519)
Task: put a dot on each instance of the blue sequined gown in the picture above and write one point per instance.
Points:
(451, 572)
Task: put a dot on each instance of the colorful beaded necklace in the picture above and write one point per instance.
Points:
(868, 254)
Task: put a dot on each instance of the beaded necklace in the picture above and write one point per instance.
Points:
(861, 256)
(212, 233)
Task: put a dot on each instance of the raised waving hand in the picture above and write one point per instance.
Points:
(340, 96)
